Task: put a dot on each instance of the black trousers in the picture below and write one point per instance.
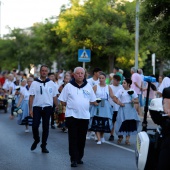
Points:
(13, 106)
(52, 116)
(38, 113)
(77, 130)
(164, 156)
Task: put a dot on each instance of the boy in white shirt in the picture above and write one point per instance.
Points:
(116, 86)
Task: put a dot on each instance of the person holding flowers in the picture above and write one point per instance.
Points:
(127, 121)
(23, 104)
(101, 115)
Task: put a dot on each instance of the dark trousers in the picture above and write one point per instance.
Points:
(13, 106)
(52, 116)
(164, 156)
(77, 130)
(44, 113)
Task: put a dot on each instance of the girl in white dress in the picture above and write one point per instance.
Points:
(127, 121)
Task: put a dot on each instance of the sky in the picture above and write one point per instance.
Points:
(24, 13)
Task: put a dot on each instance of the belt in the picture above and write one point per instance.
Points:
(42, 108)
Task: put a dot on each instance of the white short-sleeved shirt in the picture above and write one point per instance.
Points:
(25, 93)
(46, 97)
(6, 84)
(78, 100)
(93, 82)
(124, 97)
(13, 86)
(115, 89)
(165, 83)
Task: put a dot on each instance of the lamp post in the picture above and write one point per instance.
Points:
(137, 35)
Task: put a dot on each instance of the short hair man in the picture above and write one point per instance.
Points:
(77, 95)
(116, 71)
(95, 79)
(42, 96)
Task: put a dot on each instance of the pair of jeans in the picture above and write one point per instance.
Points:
(44, 113)
(77, 130)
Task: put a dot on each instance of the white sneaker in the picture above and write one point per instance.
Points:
(102, 140)
(99, 143)
(26, 130)
(88, 136)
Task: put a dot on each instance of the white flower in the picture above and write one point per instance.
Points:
(9, 100)
(19, 111)
(15, 113)
(10, 96)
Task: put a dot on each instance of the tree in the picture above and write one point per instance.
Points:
(156, 15)
(101, 26)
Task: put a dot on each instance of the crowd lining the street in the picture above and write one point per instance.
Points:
(74, 100)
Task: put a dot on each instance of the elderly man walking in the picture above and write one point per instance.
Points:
(76, 96)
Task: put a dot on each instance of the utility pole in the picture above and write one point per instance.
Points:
(137, 35)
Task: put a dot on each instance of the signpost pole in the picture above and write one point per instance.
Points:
(84, 65)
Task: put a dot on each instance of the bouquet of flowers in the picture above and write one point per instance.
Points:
(17, 111)
(130, 92)
(10, 98)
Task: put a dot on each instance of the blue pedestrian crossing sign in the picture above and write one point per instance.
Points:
(84, 55)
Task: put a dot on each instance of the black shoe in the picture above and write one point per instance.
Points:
(52, 127)
(73, 164)
(34, 145)
(44, 150)
(111, 138)
(80, 162)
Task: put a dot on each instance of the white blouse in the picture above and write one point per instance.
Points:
(124, 97)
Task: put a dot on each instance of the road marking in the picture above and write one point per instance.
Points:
(130, 150)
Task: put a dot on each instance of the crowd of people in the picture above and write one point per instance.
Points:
(83, 107)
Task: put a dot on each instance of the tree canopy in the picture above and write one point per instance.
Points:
(106, 27)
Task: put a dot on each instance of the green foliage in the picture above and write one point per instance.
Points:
(106, 27)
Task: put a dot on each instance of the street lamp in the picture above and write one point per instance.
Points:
(137, 35)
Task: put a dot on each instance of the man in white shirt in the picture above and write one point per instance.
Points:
(61, 76)
(95, 79)
(165, 83)
(42, 96)
(77, 96)
(116, 86)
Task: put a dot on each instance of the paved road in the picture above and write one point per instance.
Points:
(15, 151)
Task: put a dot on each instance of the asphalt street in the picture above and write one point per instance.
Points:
(15, 153)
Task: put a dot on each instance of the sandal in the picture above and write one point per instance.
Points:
(127, 142)
(119, 140)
